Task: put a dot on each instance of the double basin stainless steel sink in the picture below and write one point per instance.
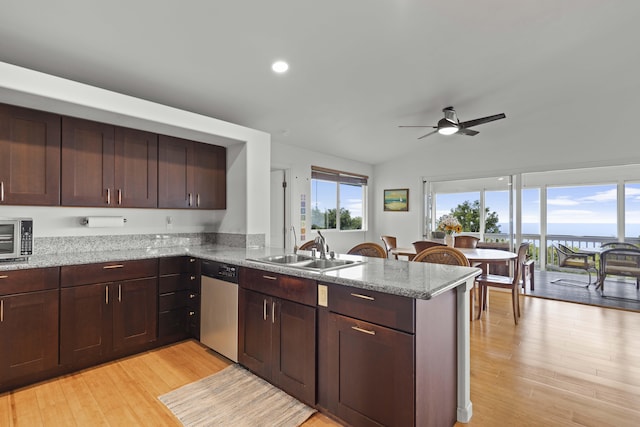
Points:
(305, 262)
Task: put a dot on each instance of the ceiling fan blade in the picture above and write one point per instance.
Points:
(482, 120)
(469, 132)
(417, 127)
(430, 133)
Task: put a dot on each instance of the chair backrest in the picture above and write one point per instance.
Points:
(619, 245)
(442, 255)
(624, 261)
(522, 257)
(466, 242)
(369, 249)
(421, 245)
(311, 244)
(390, 242)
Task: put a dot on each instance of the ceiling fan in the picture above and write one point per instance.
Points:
(450, 124)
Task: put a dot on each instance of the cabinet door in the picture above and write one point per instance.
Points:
(28, 333)
(85, 324)
(254, 330)
(29, 157)
(87, 163)
(174, 179)
(294, 349)
(135, 313)
(209, 176)
(136, 168)
(371, 379)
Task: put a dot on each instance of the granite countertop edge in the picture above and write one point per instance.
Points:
(413, 280)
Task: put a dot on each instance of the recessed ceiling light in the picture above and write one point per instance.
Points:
(280, 66)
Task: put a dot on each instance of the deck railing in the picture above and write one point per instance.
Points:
(547, 254)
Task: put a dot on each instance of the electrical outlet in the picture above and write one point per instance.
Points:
(323, 296)
(169, 222)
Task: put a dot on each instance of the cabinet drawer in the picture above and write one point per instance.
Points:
(177, 282)
(177, 265)
(376, 307)
(173, 322)
(76, 275)
(290, 288)
(177, 299)
(21, 281)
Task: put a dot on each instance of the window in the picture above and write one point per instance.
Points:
(337, 200)
(586, 210)
(632, 209)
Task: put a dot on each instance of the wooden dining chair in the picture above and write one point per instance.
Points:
(421, 245)
(505, 282)
(466, 242)
(442, 255)
(390, 242)
(369, 249)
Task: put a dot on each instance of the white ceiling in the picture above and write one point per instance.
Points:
(359, 68)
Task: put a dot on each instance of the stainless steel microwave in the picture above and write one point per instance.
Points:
(16, 238)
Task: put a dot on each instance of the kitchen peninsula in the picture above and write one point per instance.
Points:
(427, 305)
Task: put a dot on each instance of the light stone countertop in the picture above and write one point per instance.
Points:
(411, 279)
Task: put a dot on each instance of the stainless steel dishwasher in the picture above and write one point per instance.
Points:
(219, 308)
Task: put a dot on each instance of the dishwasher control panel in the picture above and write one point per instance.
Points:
(220, 270)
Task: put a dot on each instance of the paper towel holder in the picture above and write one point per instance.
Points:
(86, 220)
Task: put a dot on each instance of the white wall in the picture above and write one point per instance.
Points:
(299, 161)
(248, 156)
(457, 157)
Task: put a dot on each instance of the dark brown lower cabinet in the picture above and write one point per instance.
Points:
(28, 333)
(371, 373)
(277, 341)
(105, 320)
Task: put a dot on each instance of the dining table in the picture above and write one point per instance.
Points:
(477, 256)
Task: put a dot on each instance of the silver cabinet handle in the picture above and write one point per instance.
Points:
(192, 278)
(192, 313)
(192, 260)
(264, 309)
(1, 310)
(198, 200)
(106, 294)
(109, 267)
(108, 196)
(190, 199)
(192, 296)
(368, 298)
(273, 312)
(119, 196)
(4, 277)
(355, 328)
(269, 277)
(119, 293)
(1, 191)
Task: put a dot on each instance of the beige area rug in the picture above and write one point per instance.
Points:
(235, 397)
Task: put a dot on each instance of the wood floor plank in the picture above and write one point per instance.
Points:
(563, 365)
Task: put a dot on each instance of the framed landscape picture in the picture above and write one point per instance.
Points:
(396, 200)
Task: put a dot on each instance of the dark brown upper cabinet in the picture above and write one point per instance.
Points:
(108, 166)
(29, 157)
(191, 174)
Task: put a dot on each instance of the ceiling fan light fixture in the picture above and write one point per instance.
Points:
(445, 127)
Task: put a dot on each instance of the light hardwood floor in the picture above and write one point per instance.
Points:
(564, 365)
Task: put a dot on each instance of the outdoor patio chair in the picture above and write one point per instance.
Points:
(619, 262)
(568, 258)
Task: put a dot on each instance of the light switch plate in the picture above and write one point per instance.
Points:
(323, 295)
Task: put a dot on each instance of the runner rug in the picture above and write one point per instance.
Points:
(235, 397)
